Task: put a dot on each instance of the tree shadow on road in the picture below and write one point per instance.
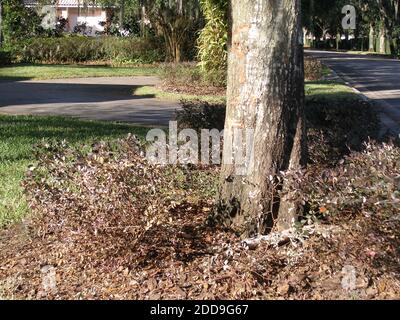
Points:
(31, 93)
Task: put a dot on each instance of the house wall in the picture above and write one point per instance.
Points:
(92, 17)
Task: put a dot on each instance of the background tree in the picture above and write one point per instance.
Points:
(20, 22)
(266, 94)
(178, 21)
(389, 20)
(1, 23)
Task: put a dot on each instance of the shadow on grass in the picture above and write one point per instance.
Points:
(4, 79)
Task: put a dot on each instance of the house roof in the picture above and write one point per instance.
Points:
(59, 3)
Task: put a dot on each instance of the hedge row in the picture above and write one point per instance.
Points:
(73, 49)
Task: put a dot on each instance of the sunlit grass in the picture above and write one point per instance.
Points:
(329, 90)
(43, 72)
(164, 95)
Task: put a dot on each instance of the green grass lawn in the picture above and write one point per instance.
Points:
(43, 72)
(18, 135)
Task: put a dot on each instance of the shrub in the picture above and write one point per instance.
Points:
(103, 200)
(334, 129)
(73, 49)
(188, 78)
(181, 75)
(5, 58)
(338, 127)
(313, 69)
(133, 50)
(216, 78)
(365, 182)
(20, 22)
(110, 195)
(199, 115)
(57, 50)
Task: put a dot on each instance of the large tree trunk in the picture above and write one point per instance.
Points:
(265, 94)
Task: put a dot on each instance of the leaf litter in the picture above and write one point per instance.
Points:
(107, 225)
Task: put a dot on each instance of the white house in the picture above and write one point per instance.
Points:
(76, 13)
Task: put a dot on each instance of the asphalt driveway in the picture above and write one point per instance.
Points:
(87, 98)
(376, 77)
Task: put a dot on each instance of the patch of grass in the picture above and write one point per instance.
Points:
(44, 71)
(164, 95)
(315, 90)
(327, 91)
(326, 71)
(19, 134)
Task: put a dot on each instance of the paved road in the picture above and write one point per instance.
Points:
(377, 78)
(87, 98)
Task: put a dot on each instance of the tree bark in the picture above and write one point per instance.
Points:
(174, 28)
(371, 47)
(122, 13)
(306, 41)
(312, 25)
(338, 40)
(143, 17)
(265, 94)
(384, 40)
